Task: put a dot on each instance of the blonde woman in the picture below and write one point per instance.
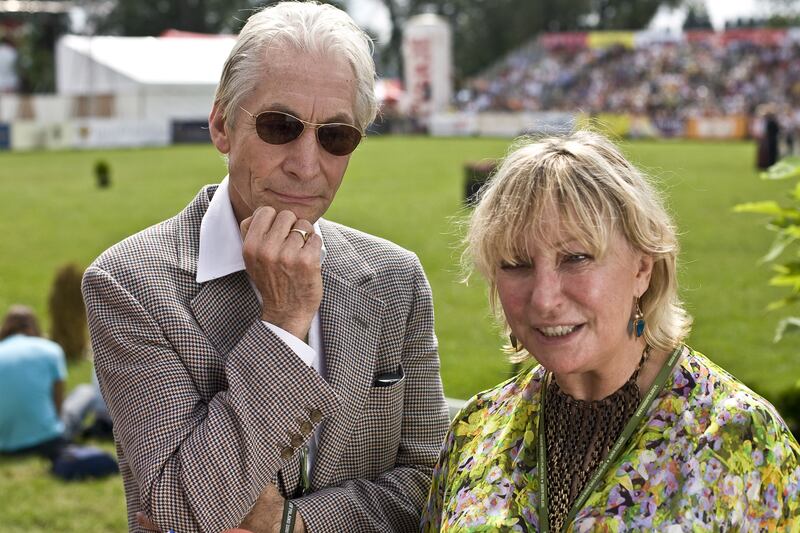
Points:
(621, 426)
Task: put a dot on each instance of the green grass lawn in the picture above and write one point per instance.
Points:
(408, 190)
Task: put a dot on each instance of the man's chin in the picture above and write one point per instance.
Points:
(301, 212)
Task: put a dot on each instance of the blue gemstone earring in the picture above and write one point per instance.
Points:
(636, 323)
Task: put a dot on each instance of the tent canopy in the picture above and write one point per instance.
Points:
(88, 65)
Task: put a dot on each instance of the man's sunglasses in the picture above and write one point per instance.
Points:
(277, 127)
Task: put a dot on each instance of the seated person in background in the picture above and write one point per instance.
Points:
(621, 426)
(32, 373)
(85, 414)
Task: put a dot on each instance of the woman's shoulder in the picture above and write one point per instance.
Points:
(720, 406)
(727, 392)
(495, 406)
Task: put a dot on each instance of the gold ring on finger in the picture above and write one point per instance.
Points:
(304, 234)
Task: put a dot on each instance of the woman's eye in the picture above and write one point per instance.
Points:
(513, 265)
(577, 258)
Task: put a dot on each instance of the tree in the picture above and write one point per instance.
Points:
(132, 17)
(697, 19)
(785, 7)
(36, 60)
(626, 15)
(33, 28)
(127, 17)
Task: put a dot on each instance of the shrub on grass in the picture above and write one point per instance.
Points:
(785, 222)
(67, 312)
(102, 173)
(788, 405)
(475, 176)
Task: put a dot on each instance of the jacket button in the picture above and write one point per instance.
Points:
(287, 452)
(306, 428)
(315, 415)
(295, 440)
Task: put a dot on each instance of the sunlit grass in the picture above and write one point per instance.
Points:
(408, 190)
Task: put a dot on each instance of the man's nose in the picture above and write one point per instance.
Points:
(303, 160)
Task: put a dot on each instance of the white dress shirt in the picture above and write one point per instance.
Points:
(220, 254)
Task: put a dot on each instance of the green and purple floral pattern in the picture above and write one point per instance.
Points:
(710, 455)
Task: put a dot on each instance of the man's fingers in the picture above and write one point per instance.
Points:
(144, 521)
(312, 249)
(277, 233)
(305, 230)
(260, 223)
(244, 227)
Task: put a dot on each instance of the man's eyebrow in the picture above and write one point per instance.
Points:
(340, 117)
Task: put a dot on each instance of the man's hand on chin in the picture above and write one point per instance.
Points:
(282, 257)
(267, 512)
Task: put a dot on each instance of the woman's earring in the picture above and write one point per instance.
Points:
(636, 323)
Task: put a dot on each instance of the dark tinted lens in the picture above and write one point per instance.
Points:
(277, 128)
(339, 139)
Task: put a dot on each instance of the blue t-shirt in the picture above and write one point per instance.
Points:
(29, 366)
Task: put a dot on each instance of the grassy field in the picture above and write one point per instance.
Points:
(408, 190)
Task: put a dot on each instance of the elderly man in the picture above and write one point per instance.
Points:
(265, 367)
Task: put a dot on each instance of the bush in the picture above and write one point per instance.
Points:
(102, 174)
(788, 405)
(475, 176)
(67, 313)
(785, 222)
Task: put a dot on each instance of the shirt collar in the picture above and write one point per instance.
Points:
(220, 249)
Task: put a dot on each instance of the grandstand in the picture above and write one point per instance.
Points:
(658, 84)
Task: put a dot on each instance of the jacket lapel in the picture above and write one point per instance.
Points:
(224, 307)
(351, 320)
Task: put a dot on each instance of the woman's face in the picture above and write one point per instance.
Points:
(570, 310)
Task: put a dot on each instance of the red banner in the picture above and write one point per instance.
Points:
(574, 39)
(701, 36)
(759, 36)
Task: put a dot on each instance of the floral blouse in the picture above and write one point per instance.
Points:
(710, 455)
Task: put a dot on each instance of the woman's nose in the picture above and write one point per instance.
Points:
(545, 290)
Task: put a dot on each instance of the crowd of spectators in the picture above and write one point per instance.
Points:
(667, 81)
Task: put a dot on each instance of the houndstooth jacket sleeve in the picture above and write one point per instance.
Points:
(209, 406)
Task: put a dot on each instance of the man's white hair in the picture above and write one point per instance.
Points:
(309, 27)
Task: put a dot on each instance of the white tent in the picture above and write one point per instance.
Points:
(142, 78)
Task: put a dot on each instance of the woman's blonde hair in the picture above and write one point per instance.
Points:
(583, 181)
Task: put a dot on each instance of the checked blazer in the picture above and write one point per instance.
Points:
(209, 406)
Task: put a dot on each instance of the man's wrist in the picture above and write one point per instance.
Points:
(289, 517)
(297, 328)
(297, 345)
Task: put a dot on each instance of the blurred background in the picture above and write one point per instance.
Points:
(103, 110)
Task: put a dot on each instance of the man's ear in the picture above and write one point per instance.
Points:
(218, 130)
